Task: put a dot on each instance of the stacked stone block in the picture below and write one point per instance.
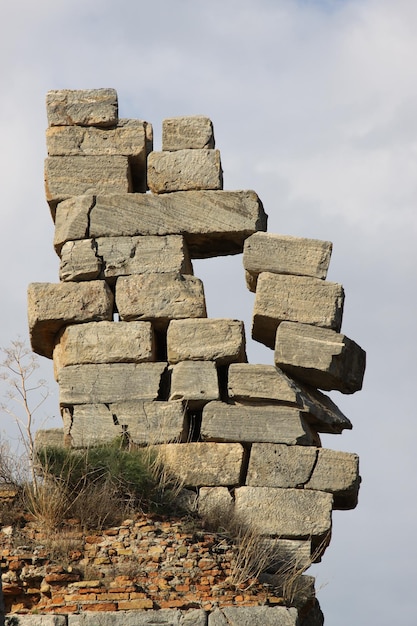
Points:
(135, 353)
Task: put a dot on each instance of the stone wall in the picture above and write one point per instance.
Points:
(134, 351)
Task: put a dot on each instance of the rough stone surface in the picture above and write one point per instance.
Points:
(81, 175)
(105, 342)
(35, 620)
(215, 505)
(282, 254)
(184, 170)
(286, 555)
(168, 617)
(322, 413)
(212, 222)
(195, 382)
(189, 132)
(320, 357)
(252, 423)
(338, 473)
(254, 616)
(89, 425)
(160, 298)
(106, 383)
(296, 299)
(285, 512)
(52, 306)
(203, 464)
(219, 340)
(49, 437)
(79, 261)
(72, 220)
(279, 465)
(87, 107)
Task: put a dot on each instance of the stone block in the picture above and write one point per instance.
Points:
(203, 464)
(160, 298)
(338, 473)
(72, 220)
(91, 425)
(53, 306)
(81, 175)
(35, 620)
(162, 617)
(215, 506)
(83, 107)
(49, 437)
(272, 465)
(286, 513)
(212, 222)
(254, 616)
(79, 261)
(287, 557)
(194, 382)
(184, 170)
(296, 299)
(190, 132)
(109, 382)
(320, 357)
(105, 342)
(219, 340)
(254, 423)
(283, 254)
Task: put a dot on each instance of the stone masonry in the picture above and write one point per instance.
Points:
(132, 346)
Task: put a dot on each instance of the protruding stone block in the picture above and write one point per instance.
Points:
(105, 342)
(81, 175)
(86, 107)
(254, 423)
(277, 465)
(191, 132)
(72, 220)
(338, 473)
(282, 254)
(285, 513)
(296, 299)
(184, 170)
(107, 383)
(194, 382)
(79, 261)
(52, 306)
(208, 464)
(160, 298)
(320, 357)
(254, 616)
(212, 222)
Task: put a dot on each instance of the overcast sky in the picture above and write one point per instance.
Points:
(314, 105)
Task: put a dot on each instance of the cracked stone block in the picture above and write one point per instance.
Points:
(283, 254)
(192, 132)
(184, 170)
(160, 298)
(53, 306)
(72, 220)
(254, 423)
(219, 340)
(84, 107)
(109, 382)
(301, 299)
(91, 425)
(282, 466)
(194, 382)
(320, 357)
(338, 473)
(79, 261)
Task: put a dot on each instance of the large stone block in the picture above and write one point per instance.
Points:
(72, 219)
(34, 620)
(184, 170)
(254, 616)
(203, 464)
(84, 107)
(212, 222)
(320, 357)
(89, 425)
(282, 254)
(296, 299)
(338, 473)
(106, 383)
(219, 340)
(215, 506)
(160, 298)
(254, 423)
(286, 513)
(69, 176)
(53, 306)
(105, 342)
(162, 617)
(190, 132)
(79, 261)
(194, 382)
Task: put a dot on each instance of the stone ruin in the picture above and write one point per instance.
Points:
(135, 354)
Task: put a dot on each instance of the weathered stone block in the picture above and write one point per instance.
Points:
(212, 222)
(338, 473)
(91, 425)
(320, 357)
(252, 423)
(215, 505)
(53, 306)
(81, 175)
(72, 220)
(184, 170)
(49, 437)
(282, 254)
(83, 107)
(272, 465)
(190, 132)
(167, 617)
(160, 298)
(296, 299)
(79, 261)
(105, 342)
(219, 340)
(285, 513)
(35, 620)
(195, 382)
(106, 383)
(254, 616)
(286, 557)
(208, 464)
